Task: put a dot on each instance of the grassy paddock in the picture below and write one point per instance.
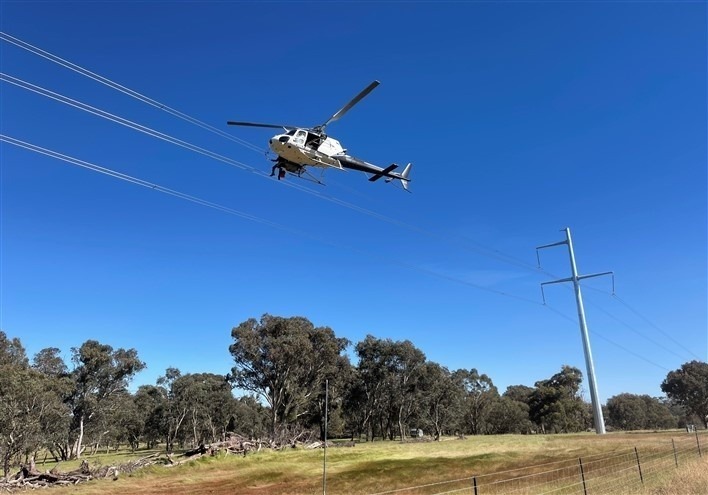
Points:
(381, 466)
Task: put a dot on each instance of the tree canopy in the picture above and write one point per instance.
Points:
(282, 365)
(284, 361)
(688, 386)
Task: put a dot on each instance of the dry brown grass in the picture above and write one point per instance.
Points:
(690, 478)
(381, 466)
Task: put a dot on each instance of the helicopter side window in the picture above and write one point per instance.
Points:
(284, 138)
(299, 138)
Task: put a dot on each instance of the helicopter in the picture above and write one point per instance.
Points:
(300, 147)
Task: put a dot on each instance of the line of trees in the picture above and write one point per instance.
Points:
(282, 365)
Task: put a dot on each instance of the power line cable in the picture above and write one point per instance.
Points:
(637, 332)
(627, 325)
(225, 209)
(179, 142)
(125, 122)
(656, 327)
(125, 90)
(594, 332)
(477, 247)
(165, 137)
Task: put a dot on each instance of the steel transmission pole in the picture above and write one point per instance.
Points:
(590, 367)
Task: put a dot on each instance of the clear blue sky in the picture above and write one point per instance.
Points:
(520, 119)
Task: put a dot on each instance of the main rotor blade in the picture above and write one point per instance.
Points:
(256, 124)
(353, 102)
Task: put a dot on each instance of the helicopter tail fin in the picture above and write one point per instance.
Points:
(404, 176)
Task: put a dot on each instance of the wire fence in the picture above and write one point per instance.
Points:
(617, 472)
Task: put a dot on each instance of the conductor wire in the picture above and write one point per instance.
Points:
(231, 211)
(120, 120)
(665, 334)
(95, 111)
(192, 147)
(247, 216)
(463, 241)
(563, 315)
(165, 137)
(125, 90)
(485, 251)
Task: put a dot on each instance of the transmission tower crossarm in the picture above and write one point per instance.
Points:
(559, 243)
(569, 279)
(581, 277)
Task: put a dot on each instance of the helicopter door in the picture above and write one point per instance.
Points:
(299, 139)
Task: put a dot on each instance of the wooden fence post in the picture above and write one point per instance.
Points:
(699, 444)
(673, 445)
(582, 476)
(636, 453)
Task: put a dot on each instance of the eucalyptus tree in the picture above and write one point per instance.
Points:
(331, 397)
(31, 407)
(285, 361)
(519, 393)
(12, 353)
(441, 399)
(638, 412)
(249, 418)
(407, 367)
(389, 373)
(509, 416)
(688, 386)
(208, 403)
(49, 362)
(369, 392)
(479, 396)
(556, 404)
(16, 418)
(151, 404)
(22, 394)
(99, 373)
(175, 410)
(59, 386)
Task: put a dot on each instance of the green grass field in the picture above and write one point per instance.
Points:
(384, 466)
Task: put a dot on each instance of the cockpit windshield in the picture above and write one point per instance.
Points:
(291, 132)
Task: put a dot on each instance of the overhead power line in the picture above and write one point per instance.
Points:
(477, 247)
(194, 199)
(125, 90)
(247, 216)
(606, 339)
(216, 156)
(460, 241)
(640, 334)
(656, 327)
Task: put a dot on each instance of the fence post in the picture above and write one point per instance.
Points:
(582, 476)
(636, 453)
(698, 443)
(673, 445)
(474, 484)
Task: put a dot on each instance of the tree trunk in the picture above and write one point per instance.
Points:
(6, 463)
(80, 440)
(400, 422)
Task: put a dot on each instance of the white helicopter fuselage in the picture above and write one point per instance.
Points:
(307, 149)
(300, 148)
